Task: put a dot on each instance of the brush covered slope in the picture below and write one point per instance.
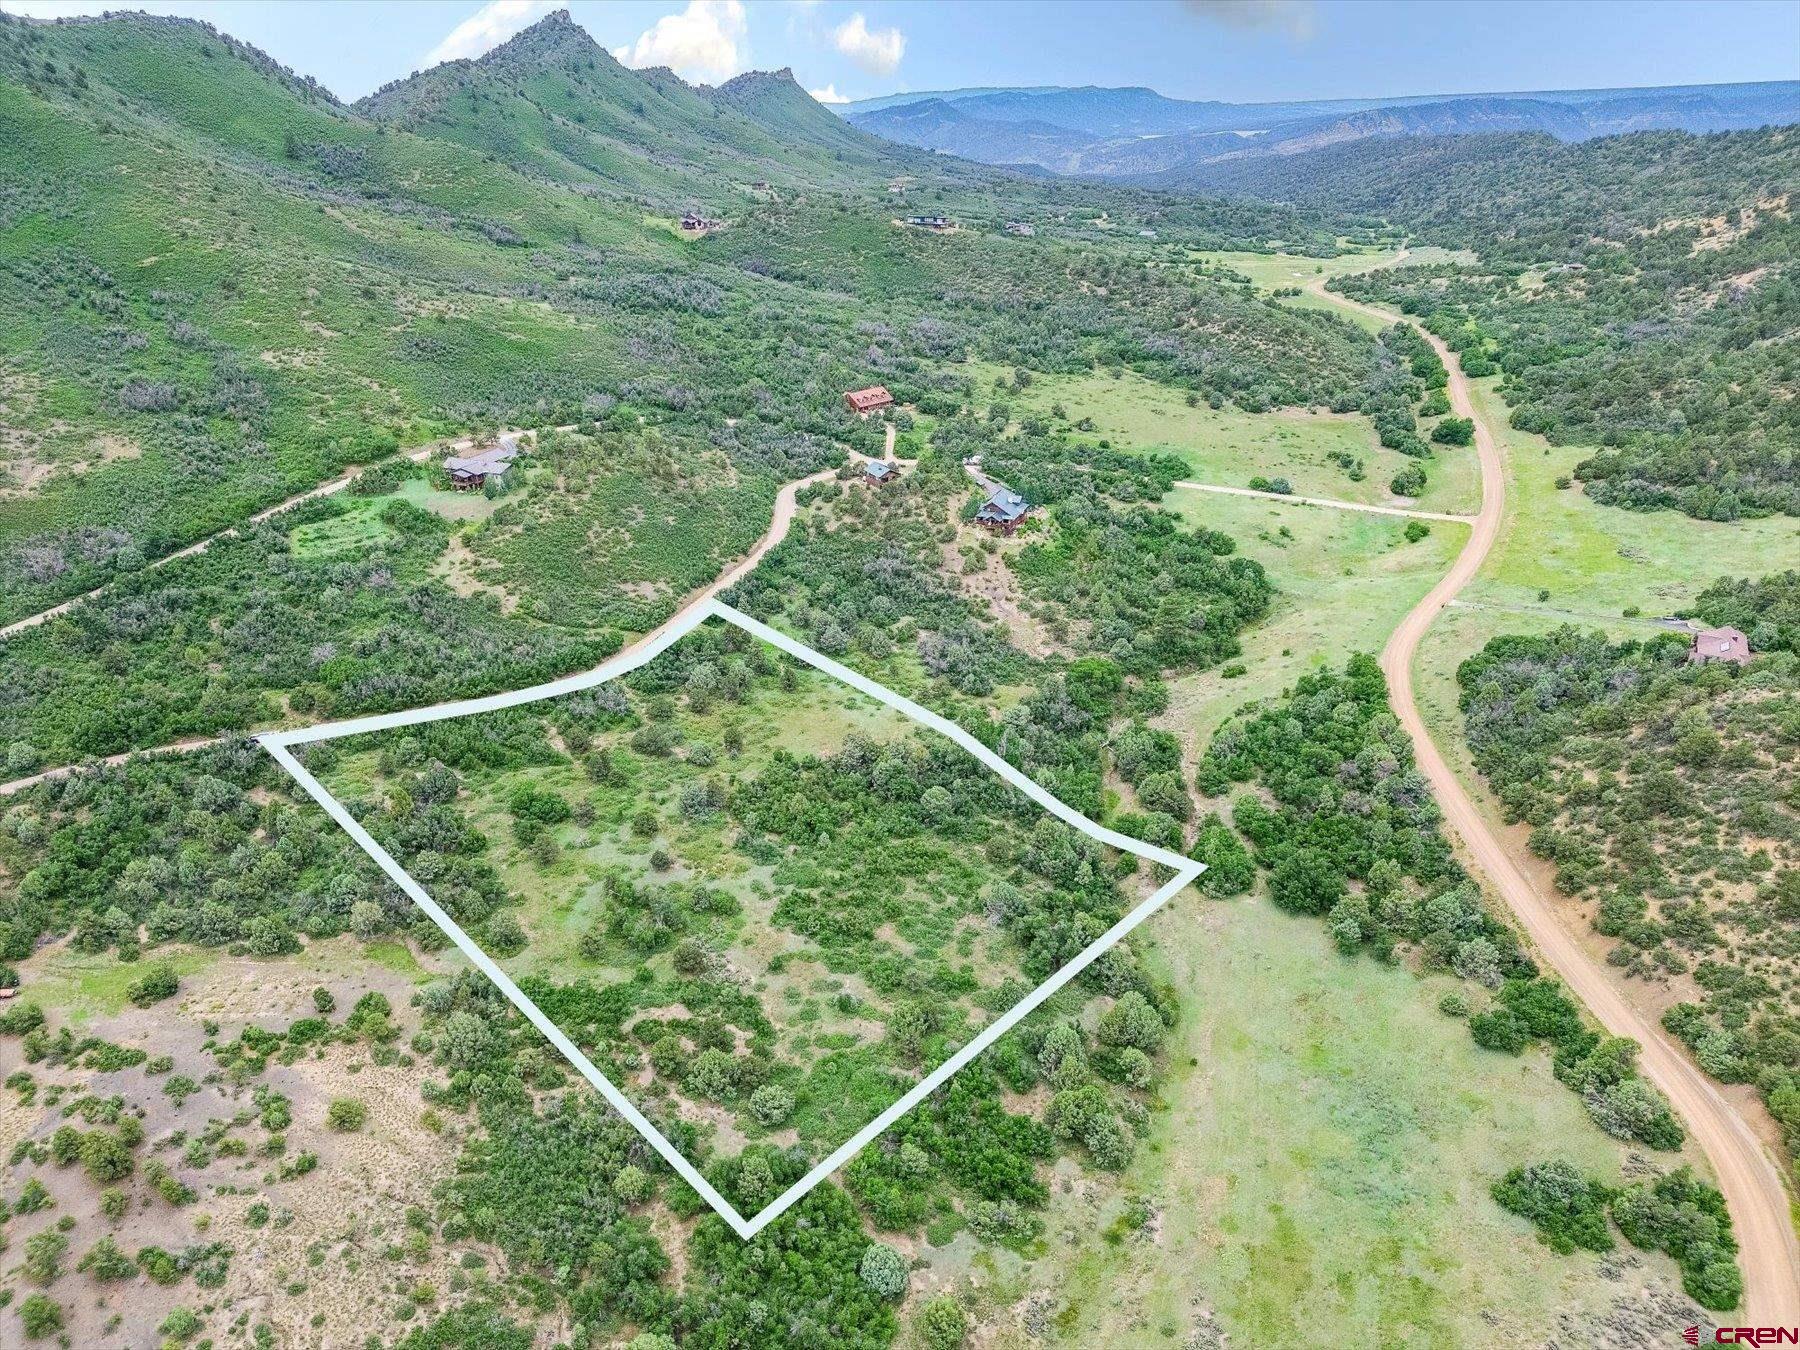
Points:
(554, 103)
(1636, 294)
(762, 903)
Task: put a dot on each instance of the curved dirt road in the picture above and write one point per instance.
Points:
(780, 521)
(1753, 1189)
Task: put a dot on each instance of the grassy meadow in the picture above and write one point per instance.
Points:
(1321, 1175)
(1343, 579)
(1274, 271)
(1228, 446)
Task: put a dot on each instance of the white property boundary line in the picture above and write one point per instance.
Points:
(277, 743)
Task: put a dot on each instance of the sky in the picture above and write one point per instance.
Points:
(1236, 50)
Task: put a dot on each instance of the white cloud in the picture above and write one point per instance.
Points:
(486, 29)
(876, 50)
(701, 41)
(1295, 18)
(828, 94)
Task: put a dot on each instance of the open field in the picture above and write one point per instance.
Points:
(1342, 578)
(449, 504)
(1277, 271)
(1320, 1177)
(1229, 446)
(355, 529)
(82, 986)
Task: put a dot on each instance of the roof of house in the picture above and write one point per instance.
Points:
(1003, 504)
(873, 396)
(496, 459)
(880, 469)
(1720, 637)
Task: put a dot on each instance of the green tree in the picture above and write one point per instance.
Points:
(884, 1270)
(942, 1324)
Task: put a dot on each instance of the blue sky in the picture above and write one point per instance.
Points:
(1236, 50)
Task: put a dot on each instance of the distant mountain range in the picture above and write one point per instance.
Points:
(1142, 136)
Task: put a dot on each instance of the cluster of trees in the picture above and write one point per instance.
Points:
(213, 641)
(1603, 1069)
(208, 848)
(1150, 760)
(1657, 787)
(567, 1189)
(1348, 804)
(614, 525)
(1140, 589)
(1423, 380)
(1674, 1213)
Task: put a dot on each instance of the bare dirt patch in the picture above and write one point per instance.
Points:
(317, 1255)
(459, 569)
(995, 586)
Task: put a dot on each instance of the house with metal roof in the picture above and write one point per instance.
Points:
(473, 471)
(880, 471)
(1003, 510)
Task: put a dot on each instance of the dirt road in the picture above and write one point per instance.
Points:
(201, 545)
(781, 520)
(1769, 1253)
(1332, 502)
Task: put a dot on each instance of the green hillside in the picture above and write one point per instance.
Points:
(553, 103)
(223, 285)
(775, 100)
(1637, 293)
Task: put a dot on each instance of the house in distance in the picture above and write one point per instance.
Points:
(862, 402)
(692, 222)
(1023, 228)
(929, 222)
(473, 471)
(880, 471)
(1718, 644)
(1003, 510)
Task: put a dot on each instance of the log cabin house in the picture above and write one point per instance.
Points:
(1003, 510)
(862, 402)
